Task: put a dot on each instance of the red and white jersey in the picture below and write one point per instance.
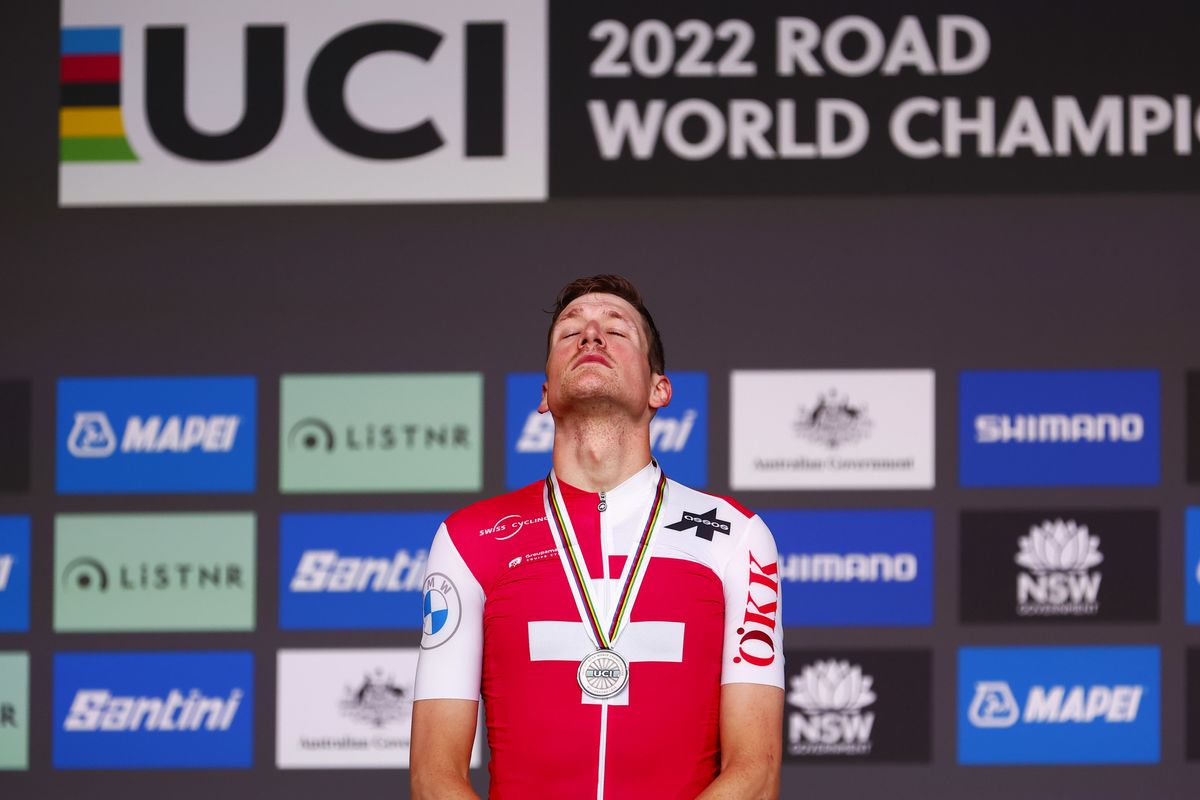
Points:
(501, 623)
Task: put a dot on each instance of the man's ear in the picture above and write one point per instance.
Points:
(543, 406)
(660, 392)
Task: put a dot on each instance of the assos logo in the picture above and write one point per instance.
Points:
(156, 435)
(678, 433)
(161, 710)
(1058, 705)
(833, 699)
(855, 567)
(188, 103)
(1059, 428)
(353, 570)
(14, 574)
(1059, 577)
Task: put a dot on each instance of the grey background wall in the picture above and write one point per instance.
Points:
(946, 282)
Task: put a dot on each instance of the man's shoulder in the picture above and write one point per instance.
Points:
(483, 517)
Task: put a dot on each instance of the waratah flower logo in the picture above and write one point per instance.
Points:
(831, 686)
(1059, 547)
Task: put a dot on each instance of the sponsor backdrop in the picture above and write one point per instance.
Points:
(274, 304)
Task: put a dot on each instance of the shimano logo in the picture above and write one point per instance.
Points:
(667, 434)
(995, 706)
(327, 571)
(6, 565)
(846, 567)
(99, 710)
(92, 435)
(1028, 428)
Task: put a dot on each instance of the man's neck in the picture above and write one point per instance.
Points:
(597, 454)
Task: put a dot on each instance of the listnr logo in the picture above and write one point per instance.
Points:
(392, 101)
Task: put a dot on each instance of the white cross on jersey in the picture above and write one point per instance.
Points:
(639, 641)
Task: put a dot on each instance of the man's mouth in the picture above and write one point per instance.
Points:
(592, 359)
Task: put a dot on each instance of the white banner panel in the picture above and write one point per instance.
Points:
(849, 429)
(346, 709)
(274, 101)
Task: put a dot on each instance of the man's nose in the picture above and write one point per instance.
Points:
(592, 333)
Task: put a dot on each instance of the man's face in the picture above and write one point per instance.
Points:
(599, 358)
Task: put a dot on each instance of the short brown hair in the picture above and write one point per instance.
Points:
(622, 288)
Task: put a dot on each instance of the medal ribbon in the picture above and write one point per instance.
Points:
(577, 572)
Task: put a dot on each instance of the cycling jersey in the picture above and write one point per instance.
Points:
(500, 622)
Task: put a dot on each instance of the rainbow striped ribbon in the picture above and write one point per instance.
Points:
(635, 565)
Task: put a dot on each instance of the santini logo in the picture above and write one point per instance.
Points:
(100, 710)
(847, 567)
(995, 706)
(667, 434)
(1003, 429)
(832, 696)
(327, 571)
(1058, 558)
(92, 435)
(6, 565)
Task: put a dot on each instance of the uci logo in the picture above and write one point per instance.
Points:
(267, 102)
(325, 91)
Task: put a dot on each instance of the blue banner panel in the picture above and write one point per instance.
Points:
(1192, 568)
(678, 433)
(14, 574)
(353, 571)
(855, 567)
(153, 710)
(156, 435)
(1059, 428)
(1058, 705)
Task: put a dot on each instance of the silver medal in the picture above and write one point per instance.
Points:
(603, 674)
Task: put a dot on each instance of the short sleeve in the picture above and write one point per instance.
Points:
(451, 658)
(753, 646)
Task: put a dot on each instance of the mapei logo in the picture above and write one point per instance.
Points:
(1058, 705)
(156, 434)
(994, 705)
(377, 101)
(678, 433)
(855, 567)
(354, 570)
(1098, 427)
(159, 710)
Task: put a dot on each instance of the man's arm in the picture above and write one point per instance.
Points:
(751, 730)
(443, 732)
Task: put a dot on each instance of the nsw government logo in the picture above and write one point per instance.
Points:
(153, 710)
(855, 567)
(356, 570)
(858, 705)
(1065, 566)
(832, 429)
(678, 433)
(1058, 705)
(195, 104)
(1069, 428)
(156, 435)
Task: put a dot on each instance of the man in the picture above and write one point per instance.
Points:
(623, 629)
